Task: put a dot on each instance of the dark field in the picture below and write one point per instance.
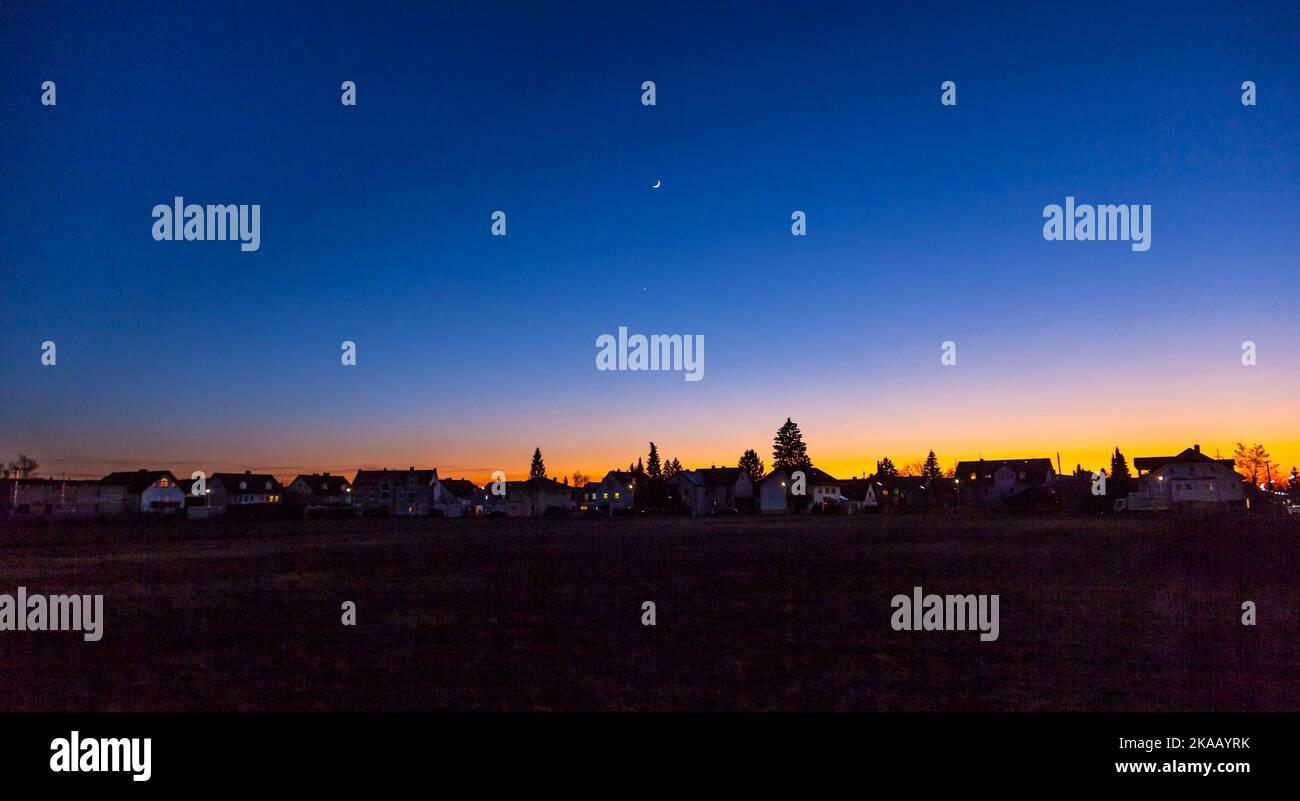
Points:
(769, 614)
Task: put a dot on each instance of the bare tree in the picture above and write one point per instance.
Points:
(1251, 459)
(25, 467)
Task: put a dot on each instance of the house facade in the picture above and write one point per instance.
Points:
(994, 481)
(456, 497)
(536, 497)
(320, 489)
(147, 491)
(1189, 479)
(228, 490)
(776, 492)
(25, 498)
(402, 493)
(726, 489)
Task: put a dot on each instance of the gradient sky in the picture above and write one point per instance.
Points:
(924, 225)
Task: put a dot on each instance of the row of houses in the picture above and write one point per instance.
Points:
(1162, 482)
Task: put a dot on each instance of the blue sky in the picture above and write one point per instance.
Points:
(924, 225)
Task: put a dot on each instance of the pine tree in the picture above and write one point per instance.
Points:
(538, 468)
(1119, 466)
(931, 469)
(788, 449)
(752, 465)
(653, 468)
(885, 468)
(671, 468)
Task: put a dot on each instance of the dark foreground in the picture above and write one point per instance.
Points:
(787, 614)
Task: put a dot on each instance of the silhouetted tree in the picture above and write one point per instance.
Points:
(752, 465)
(885, 468)
(931, 469)
(538, 468)
(653, 468)
(671, 468)
(788, 449)
(1119, 466)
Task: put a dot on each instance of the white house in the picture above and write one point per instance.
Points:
(148, 491)
(1191, 477)
(776, 490)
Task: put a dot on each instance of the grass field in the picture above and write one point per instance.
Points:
(768, 614)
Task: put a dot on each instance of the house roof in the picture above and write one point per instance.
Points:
(460, 487)
(254, 482)
(1036, 470)
(1193, 454)
(137, 481)
(425, 477)
(542, 483)
(720, 475)
(812, 475)
(323, 484)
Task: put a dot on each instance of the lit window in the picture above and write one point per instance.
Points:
(164, 483)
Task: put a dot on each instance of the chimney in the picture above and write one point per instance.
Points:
(248, 472)
(1197, 448)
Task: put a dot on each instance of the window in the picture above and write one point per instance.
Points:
(972, 477)
(164, 483)
(616, 496)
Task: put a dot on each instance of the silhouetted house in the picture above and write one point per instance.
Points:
(229, 490)
(996, 481)
(456, 497)
(1191, 478)
(687, 493)
(784, 490)
(147, 491)
(321, 489)
(49, 497)
(726, 489)
(859, 494)
(536, 497)
(396, 492)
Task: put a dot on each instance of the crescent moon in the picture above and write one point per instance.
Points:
(656, 186)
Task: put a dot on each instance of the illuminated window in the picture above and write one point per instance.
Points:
(972, 476)
(607, 495)
(616, 496)
(164, 483)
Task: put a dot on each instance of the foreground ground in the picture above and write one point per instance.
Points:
(789, 614)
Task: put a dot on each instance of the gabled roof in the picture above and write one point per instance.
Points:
(812, 475)
(393, 477)
(323, 484)
(460, 487)
(720, 475)
(137, 481)
(1152, 463)
(543, 483)
(254, 482)
(1037, 469)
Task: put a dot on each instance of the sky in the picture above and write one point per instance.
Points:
(924, 225)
